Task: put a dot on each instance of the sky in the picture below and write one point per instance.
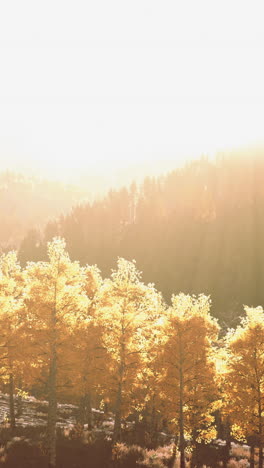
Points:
(106, 88)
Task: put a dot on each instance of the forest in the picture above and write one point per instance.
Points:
(70, 335)
(28, 202)
(198, 229)
(131, 234)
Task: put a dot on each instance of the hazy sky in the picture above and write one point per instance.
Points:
(104, 85)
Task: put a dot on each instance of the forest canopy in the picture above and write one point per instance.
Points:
(198, 229)
(68, 334)
(28, 203)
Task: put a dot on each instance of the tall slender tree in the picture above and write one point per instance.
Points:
(188, 371)
(55, 302)
(86, 352)
(11, 324)
(244, 378)
(127, 308)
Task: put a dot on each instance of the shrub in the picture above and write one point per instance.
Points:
(74, 453)
(159, 458)
(27, 450)
(124, 456)
(23, 453)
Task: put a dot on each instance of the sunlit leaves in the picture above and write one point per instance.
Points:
(127, 310)
(244, 376)
(187, 363)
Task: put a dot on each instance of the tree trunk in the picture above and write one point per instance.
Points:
(252, 456)
(173, 458)
(260, 430)
(117, 426)
(260, 454)
(81, 410)
(85, 410)
(194, 457)
(181, 416)
(153, 426)
(19, 406)
(12, 417)
(88, 410)
(52, 410)
(260, 438)
(228, 444)
(52, 383)
(195, 449)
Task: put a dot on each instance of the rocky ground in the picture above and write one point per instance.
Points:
(32, 414)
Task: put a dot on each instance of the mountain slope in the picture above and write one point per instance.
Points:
(26, 203)
(197, 230)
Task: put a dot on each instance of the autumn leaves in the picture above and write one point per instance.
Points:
(244, 379)
(66, 330)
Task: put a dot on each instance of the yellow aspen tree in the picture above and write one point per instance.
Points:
(244, 378)
(88, 359)
(55, 302)
(150, 402)
(11, 322)
(222, 358)
(127, 307)
(86, 351)
(187, 368)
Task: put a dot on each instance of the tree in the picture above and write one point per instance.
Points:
(85, 350)
(188, 370)
(244, 378)
(55, 302)
(206, 217)
(11, 324)
(150, 401)
(127, 307)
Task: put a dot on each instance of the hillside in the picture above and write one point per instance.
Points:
(27, 203)
(198, 229)
(24, 447)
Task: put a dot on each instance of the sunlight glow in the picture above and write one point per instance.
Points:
(99, 89)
